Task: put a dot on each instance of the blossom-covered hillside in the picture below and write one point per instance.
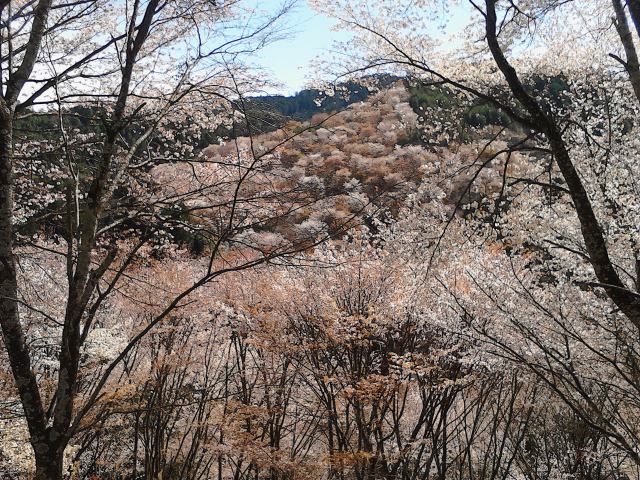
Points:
(439, 280)
(331, 172)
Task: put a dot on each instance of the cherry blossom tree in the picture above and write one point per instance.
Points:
(98, 100)
(557, 228)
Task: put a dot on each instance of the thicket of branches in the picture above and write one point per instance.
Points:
(440, 282)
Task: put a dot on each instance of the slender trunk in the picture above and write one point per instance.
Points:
(47, 446)
(13, 335)
(631, 65)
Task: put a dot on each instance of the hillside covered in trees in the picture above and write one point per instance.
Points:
(427, 270)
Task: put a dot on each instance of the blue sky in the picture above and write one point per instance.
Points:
(288, 60)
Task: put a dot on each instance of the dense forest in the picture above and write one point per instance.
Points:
(427, 269)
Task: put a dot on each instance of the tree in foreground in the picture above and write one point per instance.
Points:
(547, 276)
(489, 332)
(103, 107)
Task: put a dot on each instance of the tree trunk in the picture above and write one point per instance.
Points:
(14, 337)
(634, 10)
(631, 65)
(49, 467)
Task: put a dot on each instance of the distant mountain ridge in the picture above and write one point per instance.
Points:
(306, 103)
(276, 109)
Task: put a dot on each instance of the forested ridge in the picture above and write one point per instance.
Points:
(427, 268)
